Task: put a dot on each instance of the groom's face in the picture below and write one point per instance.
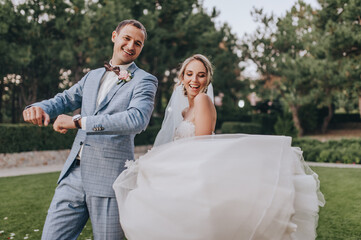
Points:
(128, 44)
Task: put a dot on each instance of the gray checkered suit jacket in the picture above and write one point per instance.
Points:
(110, 128)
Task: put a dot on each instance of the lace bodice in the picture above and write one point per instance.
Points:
(184, 130)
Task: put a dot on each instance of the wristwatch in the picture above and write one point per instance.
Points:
(76, 119)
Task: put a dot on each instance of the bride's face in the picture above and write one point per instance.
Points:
(195, 78)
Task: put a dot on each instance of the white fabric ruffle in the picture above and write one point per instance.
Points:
(220, 187)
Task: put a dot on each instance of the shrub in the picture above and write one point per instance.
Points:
(308, 115)
(241, 127)
(343, 117)
(231, 115)
(147, 137)
(27, 137)
(340, 151)
(267, 121)
(284, 126)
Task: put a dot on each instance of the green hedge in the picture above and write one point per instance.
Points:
(334, 151)
(147, 137)
(343, 117)
(27, 137)
(241, 127)
(266, 121)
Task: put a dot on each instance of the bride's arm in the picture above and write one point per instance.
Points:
(204, 119)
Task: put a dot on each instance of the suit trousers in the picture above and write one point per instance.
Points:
(71, 208)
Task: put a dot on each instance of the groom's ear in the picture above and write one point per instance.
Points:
(114, 35)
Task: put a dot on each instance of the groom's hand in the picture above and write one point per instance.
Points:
(63, 123)
(36, 115)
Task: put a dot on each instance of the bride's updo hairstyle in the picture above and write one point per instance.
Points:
(207, 64)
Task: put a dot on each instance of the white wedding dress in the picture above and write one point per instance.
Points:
(219, 187)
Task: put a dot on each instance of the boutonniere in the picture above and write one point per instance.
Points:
(124, 76)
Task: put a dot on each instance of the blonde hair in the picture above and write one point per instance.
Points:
(207, 64)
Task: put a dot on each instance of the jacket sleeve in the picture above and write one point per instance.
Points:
(64, 102)
(132, 121)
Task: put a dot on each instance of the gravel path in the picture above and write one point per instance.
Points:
(18, 171)
(335, 165)
(9, 172)
(35, 162)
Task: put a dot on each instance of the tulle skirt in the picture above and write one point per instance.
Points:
(219, 187)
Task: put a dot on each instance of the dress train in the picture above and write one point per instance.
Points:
(220, 187)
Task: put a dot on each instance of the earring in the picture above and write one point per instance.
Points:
(184, 90)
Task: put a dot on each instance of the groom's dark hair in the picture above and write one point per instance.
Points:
(134, 23)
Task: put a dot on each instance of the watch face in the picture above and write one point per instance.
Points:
(76, 117)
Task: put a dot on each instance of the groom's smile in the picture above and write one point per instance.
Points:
(128, 52)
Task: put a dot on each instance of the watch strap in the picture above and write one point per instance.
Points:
(77, 123)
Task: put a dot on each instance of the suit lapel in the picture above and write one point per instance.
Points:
(132, 68)
(93, 91)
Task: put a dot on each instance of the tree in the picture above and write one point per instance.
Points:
(280, 49)
(86, 28)
(178, 29)
(61, 40)
(339, 21)
(52, 37)
(15, 52)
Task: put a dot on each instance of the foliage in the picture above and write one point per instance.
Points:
(241, 127)
(343, 118)
(341, 151)
(309, 117)
(340, 25)
(148, 136)
(280, 51)
(284, 126)
(266, 121)
(77, 36)
(178, 29)
(26, 137)
(306, 56)
(229, 112)
(15, 52)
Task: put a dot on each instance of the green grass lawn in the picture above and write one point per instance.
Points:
(24, 202)
(341, 216)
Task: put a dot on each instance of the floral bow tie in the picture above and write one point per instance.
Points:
(123, 75)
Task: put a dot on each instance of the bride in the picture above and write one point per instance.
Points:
(197, 185)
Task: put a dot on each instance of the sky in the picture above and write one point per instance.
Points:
(237, 13)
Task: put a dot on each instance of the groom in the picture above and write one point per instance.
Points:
(115, 105)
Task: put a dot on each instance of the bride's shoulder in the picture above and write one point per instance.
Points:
(202, 99)
(204, 105)
(202, 102)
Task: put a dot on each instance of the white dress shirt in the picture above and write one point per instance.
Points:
(106, 83)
